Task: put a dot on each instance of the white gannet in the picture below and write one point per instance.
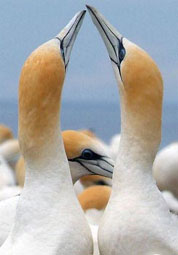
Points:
(93, 201)
(171, 201)
(114, 146)
(77, 146)
(6, 174)
(5, 133)
(10, 150)
(137, 219)
(49, 219)
(165, 168)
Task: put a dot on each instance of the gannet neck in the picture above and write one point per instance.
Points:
(48, 213)
(141, 92)
(43, 75)
(140, 219)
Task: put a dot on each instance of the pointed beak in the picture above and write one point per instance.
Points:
(68, 35)
(103, 166)
(111, 37)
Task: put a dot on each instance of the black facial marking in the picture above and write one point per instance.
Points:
(62, 41)
(100, 182)
(89, 155)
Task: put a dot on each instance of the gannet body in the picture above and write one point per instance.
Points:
(114, 146)
(165, 168)
(6, 174)
(171, 201)
(137, 219)
(49, 219)
(10, 151)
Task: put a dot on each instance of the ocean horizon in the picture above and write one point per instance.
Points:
(102, 117)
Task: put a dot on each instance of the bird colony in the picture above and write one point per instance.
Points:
(67, 192)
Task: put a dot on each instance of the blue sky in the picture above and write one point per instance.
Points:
(24, 25)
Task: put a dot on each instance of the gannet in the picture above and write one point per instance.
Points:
(95, 197)
(49, 219)
(5, 133)
(114, 146)
(86, 156)
(93, 201)
(137, 219)
(10, 151)
(6, 174)
(165, 168)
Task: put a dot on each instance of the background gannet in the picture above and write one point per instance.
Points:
(93, 201)
(86, 156)
(6, 174)
(165, 169)
(137, 219)
(5, 133)
(49, 219)
(10, 151)
(114, 146)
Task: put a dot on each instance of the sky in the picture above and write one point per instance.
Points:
(24, 25)
(153, 25)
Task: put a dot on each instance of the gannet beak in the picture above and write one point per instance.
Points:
(68, 35)
(103, 166)
(111, 37)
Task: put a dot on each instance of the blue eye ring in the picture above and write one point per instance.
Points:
(87, 154)
(122, 53)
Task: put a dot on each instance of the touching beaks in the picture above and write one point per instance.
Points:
(68, 35)
(111, 37)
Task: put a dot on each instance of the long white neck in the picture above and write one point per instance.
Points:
(140, 139)
(50, 166)
(48, 188)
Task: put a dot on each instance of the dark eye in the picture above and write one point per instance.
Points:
(87, 154)
(122, 54)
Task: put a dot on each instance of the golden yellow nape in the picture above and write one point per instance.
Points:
(88, 132)
(94, 197)
(75, 142)
(43, 75)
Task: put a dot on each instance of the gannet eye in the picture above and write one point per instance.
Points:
(122, 54)
(87, 154)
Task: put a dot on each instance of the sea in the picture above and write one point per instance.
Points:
(102, 117)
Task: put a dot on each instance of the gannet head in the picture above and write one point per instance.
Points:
(86, 155)
(139, 81)
(5, 133)
(40, 89)
(95, 197)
